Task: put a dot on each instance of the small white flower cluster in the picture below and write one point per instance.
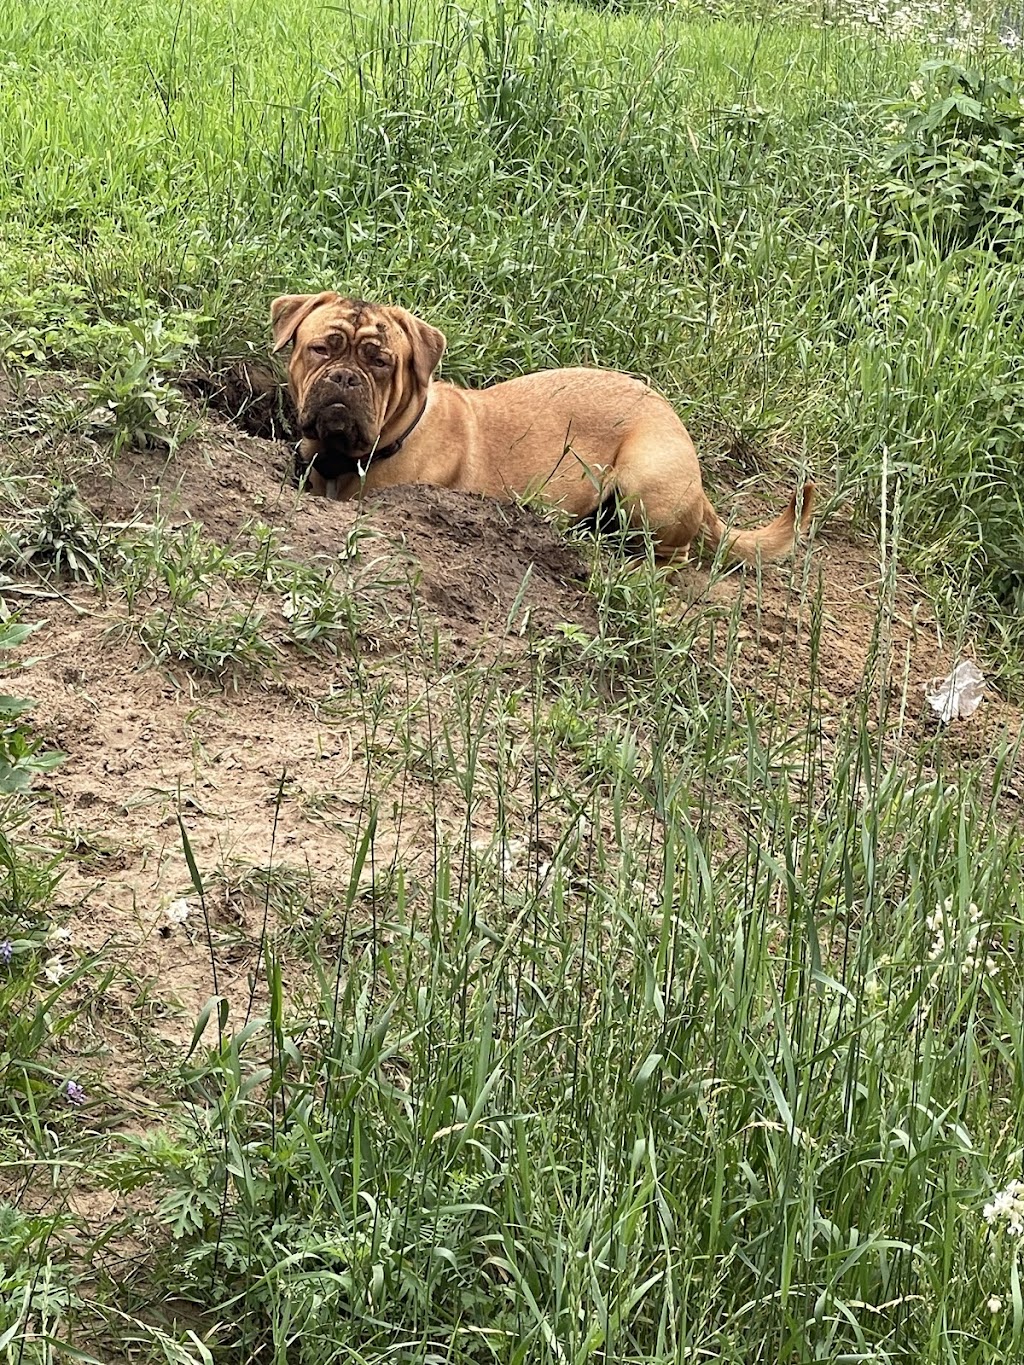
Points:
(946, 933)
(929, 21)
(1007, 1210)
(53, 968)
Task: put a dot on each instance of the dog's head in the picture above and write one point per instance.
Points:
(359, 374)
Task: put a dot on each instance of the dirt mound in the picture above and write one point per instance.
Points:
(274, 779)
(474, 561)
(480, 561)
(272, 774)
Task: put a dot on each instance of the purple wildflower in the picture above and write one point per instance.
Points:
(74, 1092)
(6, 951)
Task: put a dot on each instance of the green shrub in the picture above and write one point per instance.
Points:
(958, 165)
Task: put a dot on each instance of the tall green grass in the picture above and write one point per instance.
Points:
(692, 1078)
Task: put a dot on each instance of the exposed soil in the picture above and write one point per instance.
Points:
(815, 647)
(470, 554)
(272, 776)
(270, 773)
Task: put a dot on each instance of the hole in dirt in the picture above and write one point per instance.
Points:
(250, 394)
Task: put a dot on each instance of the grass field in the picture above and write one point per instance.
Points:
(658, 1007)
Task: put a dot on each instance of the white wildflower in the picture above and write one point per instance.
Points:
(58, 936)
(1007, 1209)
(939, 925)
(947, 935)
(53, 970)
(995, 1304)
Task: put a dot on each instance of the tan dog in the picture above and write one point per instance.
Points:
(371, 416)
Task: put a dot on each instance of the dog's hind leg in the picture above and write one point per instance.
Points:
(657, 474)
(657, 478)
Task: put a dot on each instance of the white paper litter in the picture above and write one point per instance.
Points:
(959, 695)
(177, 911)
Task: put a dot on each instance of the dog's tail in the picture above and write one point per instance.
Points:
(774, 541)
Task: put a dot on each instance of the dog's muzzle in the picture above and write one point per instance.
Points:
(338, 416)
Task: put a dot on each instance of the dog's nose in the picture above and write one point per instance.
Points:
(345, 379)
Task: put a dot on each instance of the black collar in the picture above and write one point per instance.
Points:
(386, 452)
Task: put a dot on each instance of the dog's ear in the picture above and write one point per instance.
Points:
(288, 311)
(428, 345)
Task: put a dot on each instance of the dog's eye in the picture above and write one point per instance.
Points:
(316, 349)
(381, 362)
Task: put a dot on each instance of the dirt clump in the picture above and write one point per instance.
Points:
(252, 396)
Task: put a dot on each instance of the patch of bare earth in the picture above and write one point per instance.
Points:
(276, 771)
(272, 774)
(813, 643)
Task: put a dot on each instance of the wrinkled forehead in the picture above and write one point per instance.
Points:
(348, 320)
